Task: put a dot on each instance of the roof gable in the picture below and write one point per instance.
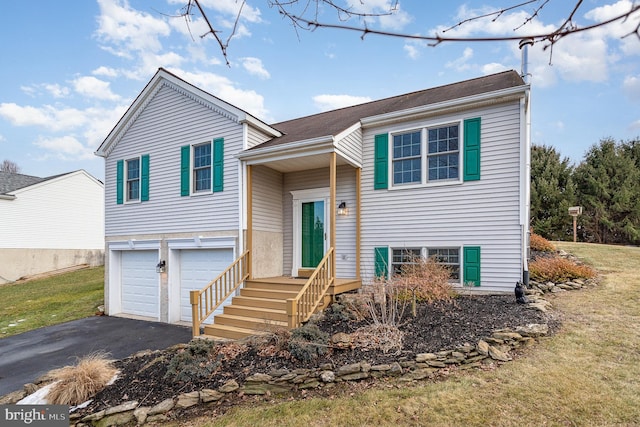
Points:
(165, 78)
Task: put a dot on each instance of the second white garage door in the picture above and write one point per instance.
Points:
(140, 283)
(197, 268)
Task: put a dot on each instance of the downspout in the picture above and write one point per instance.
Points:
(525, 194)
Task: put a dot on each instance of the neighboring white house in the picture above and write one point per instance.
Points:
(49, 223)
(193, 181)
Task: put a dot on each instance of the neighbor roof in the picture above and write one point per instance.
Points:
(10, 182)
(335, 121)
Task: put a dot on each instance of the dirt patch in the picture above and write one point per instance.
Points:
(147, 377)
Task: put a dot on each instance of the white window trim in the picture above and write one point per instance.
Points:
(192, 170)
(125, 180)
(424, 251)
(424, 156)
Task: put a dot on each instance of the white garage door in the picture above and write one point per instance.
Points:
(140, 283)
(197, 268)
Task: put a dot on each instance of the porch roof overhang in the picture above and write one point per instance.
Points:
(299, 155)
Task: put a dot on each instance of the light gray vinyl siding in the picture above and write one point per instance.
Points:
(267, 199)
(345, 225)
(481, 213)
(256, 137)
(169, 121)
(351, 146)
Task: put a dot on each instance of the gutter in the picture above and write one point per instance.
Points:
(7, 197)
(488, 98)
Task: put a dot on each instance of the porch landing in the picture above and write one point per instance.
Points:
(261, 307)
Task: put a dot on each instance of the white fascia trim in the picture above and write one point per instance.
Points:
(293, 149)
(198, 242)
(348, 158)
(489, 97)
(133, 245)
(261, 125)
(348, 131)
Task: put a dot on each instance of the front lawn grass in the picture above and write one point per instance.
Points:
(585, 375)
(56, 299)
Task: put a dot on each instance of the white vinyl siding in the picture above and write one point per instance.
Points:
(350, 146)
(481, 213)
(161, 135)
(66, 212)
(345, 225)
(256, 137)
(267, 199)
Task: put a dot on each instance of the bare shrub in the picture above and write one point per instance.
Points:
(275, 344)
(423, 279)
(540, 244)
(558, 270)
(77, 384)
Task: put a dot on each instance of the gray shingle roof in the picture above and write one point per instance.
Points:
(10, 182)
(335, 121)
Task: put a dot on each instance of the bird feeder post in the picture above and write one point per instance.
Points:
(574, 211)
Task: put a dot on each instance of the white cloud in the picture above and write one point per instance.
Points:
(223, 88)
(493, 68)
(332, 102)
(93, 87)
(391, 16)
(105, 72)
(47, 116)
(461, 63)
(56, 90)
(128, 29)
(619, 29)
(65, 148)
(229, 8)
(631, 86)
(255, 67)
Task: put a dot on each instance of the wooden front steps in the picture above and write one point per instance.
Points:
(261, 307)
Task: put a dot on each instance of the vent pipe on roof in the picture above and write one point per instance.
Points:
(524, 68)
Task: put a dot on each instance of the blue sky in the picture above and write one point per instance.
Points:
(71, 68)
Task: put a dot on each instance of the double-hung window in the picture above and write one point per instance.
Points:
(434, 149)
(402, 257)
(407, 158)
(443, 153)
(133, 179)
(449, 257)
(202, 167)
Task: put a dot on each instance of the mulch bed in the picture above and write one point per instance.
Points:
(439, 326)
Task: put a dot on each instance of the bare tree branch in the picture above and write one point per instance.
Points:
(313, 7)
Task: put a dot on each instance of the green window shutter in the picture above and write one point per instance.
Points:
(471, 269)
(472, 149)
(218, 164)
(382, 261)
(185, 155)
(144, 178)
(381, 162)
(119, 182)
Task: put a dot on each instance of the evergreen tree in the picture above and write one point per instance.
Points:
(552, 192)
(608, 181)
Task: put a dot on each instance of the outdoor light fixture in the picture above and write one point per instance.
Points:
(342, 209)
(161, 266)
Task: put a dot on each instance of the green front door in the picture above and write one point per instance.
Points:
(312, 233)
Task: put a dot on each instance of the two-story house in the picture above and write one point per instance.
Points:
(194, 183)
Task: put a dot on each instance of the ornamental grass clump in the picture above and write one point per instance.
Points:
(77, 384)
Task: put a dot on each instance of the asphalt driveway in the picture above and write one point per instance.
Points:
(25, 357)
